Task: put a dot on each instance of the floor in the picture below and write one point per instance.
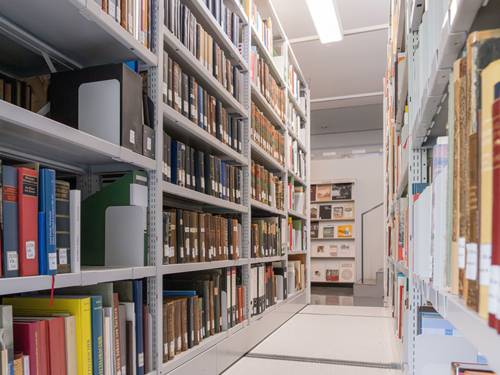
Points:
(343, 296)
(327, 340)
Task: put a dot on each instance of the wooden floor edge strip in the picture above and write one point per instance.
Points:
(328, 361)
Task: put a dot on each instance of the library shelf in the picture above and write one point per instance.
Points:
(328, 220)
(190, 64)
(100, 274)
(36, 283)
(277, 258)
(169, 269)
(211, 25)
(264, 53)
(331, 257)
(261, 156)
(205, 345)
(297, 214)
(484, 338)
(80, 33)
(294, 136)
(402, 96)
(296, 104)
(296, 177)
(256, 205)
(267, 311)
(184, 130)
(267, 108)
(30, 136)
(292, 252)
(201, 198)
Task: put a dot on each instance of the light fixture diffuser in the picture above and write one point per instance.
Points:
(326, 19)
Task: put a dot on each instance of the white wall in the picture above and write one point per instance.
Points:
(367, 172)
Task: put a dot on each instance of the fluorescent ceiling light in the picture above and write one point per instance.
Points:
(361, 151)
(326, 20)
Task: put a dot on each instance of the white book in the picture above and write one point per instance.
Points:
(148, 349)
(26, 365)
(130, 317)
(75, 199)
(70, 332)
(107, 334)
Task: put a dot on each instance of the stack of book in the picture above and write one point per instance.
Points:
(267, 136)
(268, 286)
(297, 235)
(297, 162)
(260, 75)
(266, 238)
(183, 24)
(199, 305)
(102, 329)
(190, 237)
(183, 92)
(267, 187)
(197, 170)
(133, 15)
(296, 196)
(39, 222)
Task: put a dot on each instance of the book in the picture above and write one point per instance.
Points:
(27, 181)
(63, 226)
(74, 229)
(47, 222)
(70, 340)
(6, 325)
(10, 248)
(494, 287)
(79, 307)
(323, 193)
(325, 212)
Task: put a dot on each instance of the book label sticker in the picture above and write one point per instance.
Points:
(131, 137)
(149, 143)
(12, 261)
(471, 266)
(485, 264)
(172, 347)
(52, 258)
(63, 256)
(30, 249)
(140, 359)
(461, 253)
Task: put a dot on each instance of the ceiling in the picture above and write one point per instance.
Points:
(354, 66)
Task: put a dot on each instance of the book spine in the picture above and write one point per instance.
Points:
(10, 222)
(28, 223)
(138, 301)
(74, 231)
(63, 240)
(50, 221)
(494, 289)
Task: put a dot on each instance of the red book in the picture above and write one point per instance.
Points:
(44, 347)
(495, 243)
(27, 180)
(56, 345)
(27, 340)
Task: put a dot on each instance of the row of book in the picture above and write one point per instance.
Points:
(199, 305)
(331, 192)
(183, 93)
(183, 24)
(294, 122)
(267, 136)
(262, 26)
(133, 15)
(331, 231)
(296, 276)
(197, 170)
(334, 211)
(266, 236)
(328, 248)
(267, 187)
(39, 222)
(190, 236)
(102, 329)
(297, 229)
(229, 20)
(268, 286)
(262, 78)
(29, 93)
(297, 197)
(294, 83)
(297, 161)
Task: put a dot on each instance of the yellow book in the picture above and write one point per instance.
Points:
(489, 76)
(79, 307)
(344, 231)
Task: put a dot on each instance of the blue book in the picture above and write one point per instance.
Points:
(47, 206)
(97, 335)
(179, 293)
(10, 222)
(139, 340)
(173, 162)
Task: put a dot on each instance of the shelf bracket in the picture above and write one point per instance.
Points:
(48, 61)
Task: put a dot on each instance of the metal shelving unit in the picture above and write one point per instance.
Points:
(77, 33)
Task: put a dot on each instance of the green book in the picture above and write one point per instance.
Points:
(128, 190)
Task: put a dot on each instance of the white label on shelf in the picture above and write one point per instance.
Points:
(461, 253)
(485, 264)
(52, 261)
(63, 256)
(12, 261)
(30, 250)
(471, 267)
(493, 289)
(131, 137)
(149, 143)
